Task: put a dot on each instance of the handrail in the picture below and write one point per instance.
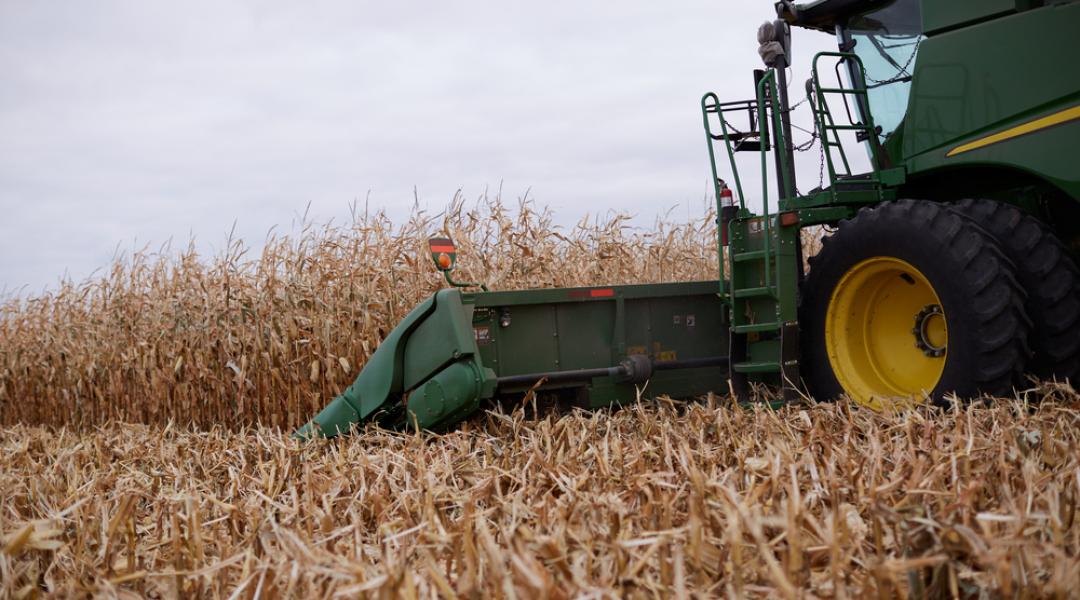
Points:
(781, 142)
(717, 108)
(827, 124)
(709, 137)
(710, 103)
(770, 79)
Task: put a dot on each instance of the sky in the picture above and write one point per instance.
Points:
(128, 123)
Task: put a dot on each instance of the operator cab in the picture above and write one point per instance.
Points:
(885, 35)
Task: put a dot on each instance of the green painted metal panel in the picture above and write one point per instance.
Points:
(485, 326)
(381, 377)
(686, 383)
(637, 328)
(429, 361)
(585, 335)
(590, 328)
(763, 351)
(941, 15)
(529, 343)
(451, 392)
(565, 329)
(383, 369)
(583, 294)
(685, 328)
(764, 296)
(438, 340)
(989, 78)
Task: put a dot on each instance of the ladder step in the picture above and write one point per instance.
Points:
(746, 256)
(756, 367)
(747, 146)
(756, 327)
(842, 91)
(841, 181)
(757, 292)
(847, 127)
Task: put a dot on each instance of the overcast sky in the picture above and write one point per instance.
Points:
(131, 122)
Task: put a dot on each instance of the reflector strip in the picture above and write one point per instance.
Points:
(597, 293)
(789, 218)
(1057, 118)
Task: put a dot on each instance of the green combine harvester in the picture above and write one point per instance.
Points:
(950, 267)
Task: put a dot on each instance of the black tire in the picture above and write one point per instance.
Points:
(1050, 278)
(981, 299)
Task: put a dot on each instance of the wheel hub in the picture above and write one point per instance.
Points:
(929, 331)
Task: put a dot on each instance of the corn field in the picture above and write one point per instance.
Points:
(269, 339)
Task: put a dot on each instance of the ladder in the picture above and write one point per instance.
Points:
(759, 274)
(844, 182)
(763, 255)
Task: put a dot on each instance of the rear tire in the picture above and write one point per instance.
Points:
(868, 309)
(1050, 277)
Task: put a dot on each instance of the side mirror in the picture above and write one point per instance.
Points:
(443, 253)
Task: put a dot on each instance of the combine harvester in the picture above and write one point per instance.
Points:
(952, 267)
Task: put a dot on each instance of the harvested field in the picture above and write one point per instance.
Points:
(659, 499)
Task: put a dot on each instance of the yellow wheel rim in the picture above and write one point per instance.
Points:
(885, 333)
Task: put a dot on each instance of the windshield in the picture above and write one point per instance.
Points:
(887, 40)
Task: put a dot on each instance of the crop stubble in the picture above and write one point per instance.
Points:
(661, 498)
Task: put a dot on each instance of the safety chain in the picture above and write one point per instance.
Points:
(797, 104)
(821, 167)
(902, 73)
(730, 126)
(803, 147)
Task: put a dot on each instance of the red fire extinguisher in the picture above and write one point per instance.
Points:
(727, 211)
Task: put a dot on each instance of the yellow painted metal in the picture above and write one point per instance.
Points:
(876, 317)
(1057, 118)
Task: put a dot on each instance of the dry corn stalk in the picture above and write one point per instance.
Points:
(241, 340)
(659, 499)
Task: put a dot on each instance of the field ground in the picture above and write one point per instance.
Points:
(659, 499)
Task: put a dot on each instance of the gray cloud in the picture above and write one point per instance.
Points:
(128, 120)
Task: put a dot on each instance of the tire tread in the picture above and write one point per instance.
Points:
(988, 275)
(1048, 274)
